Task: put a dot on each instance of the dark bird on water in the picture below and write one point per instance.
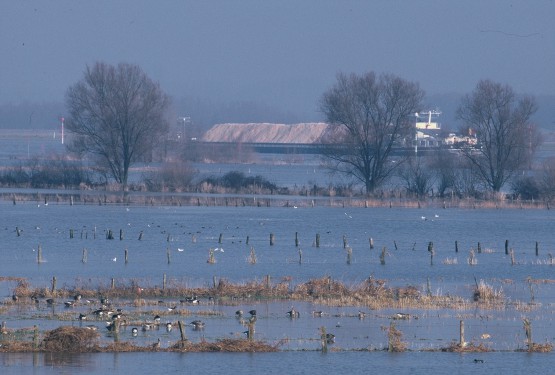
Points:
(197, 324)
(293, 313)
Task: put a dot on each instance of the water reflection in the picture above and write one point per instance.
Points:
(291, 363)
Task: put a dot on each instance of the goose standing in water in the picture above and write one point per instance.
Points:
(293, 313)
(197, 324)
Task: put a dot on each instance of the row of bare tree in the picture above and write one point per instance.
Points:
(371, 114)
(118, 115)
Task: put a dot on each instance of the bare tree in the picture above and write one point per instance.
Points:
(418, 177)
(117, 114)
(368, 116)
(548, 179)
(444, 166)
(505, 136)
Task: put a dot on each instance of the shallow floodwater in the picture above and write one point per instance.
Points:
(277, 363)
(175, 241)
(187, 234)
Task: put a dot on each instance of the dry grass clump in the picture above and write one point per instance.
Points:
(486, 293)
(540, 348)
(226, 345)
(252, 289)
(322, 287)
(123, 347)
(395, 339)
(467, 348)
(70, 339)
(17, 347)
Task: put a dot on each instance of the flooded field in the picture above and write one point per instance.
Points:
(171, 247)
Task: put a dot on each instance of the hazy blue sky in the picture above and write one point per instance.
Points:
(284, 53)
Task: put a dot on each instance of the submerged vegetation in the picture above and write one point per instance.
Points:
(138, 302)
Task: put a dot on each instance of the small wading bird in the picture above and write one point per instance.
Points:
(156, 345)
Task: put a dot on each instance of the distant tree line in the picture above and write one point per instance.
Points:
(55, 172)
(118, 117)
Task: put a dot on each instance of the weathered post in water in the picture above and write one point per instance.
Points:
(323, 339)
(296, 239)
(382, 256)
(252, 256)
(537, 248)
(431, 251)
(272, 239)
(35, 336)
(317, 239)
(164, 282)
(125, 256)
(250, 332)
(506, 247)
(84, 258)
(456, 246)
(182, 331)
(528, 332)
(371, 243)
(461, 334)
(39, 254)
(54, 285)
